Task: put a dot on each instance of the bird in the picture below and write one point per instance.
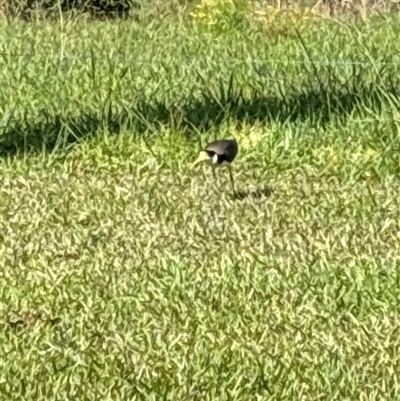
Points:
(218, 154)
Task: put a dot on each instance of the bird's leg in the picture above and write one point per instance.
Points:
(232, 181)
(214, 174)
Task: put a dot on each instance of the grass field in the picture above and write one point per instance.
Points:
(127, 275)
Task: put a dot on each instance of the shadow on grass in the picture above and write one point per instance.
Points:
(194, 115)
(254, 193)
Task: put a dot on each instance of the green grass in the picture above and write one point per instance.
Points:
(127, 275)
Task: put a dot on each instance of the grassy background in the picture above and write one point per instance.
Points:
(125, 274)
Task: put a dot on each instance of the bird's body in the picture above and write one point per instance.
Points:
(220, 153)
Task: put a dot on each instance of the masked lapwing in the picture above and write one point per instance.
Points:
(218, 154)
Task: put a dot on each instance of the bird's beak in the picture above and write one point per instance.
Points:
(203, 156)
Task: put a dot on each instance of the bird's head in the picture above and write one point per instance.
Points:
(203, 156)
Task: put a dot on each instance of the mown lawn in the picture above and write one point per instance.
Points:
(127, 275)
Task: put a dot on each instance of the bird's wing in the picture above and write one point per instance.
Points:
(222, 147)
